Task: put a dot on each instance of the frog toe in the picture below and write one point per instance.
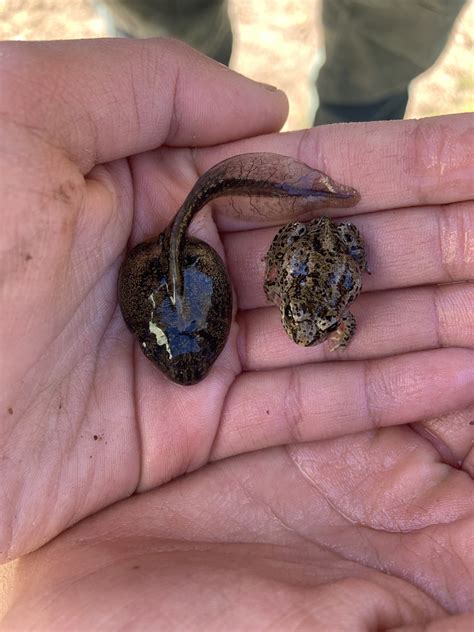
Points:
(343, 334)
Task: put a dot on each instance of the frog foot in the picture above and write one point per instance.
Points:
(343, 334)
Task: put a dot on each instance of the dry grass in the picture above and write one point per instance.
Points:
(277, 41)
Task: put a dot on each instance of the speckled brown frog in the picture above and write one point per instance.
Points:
(174, 290)
(313, 272)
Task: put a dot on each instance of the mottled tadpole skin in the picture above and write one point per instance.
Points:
(182, 340)
(174, 291)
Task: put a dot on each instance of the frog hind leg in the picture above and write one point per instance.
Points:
(343, 334)
(354, 244)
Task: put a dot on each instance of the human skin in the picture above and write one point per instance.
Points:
(292, 488)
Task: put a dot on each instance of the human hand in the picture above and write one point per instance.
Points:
(78, 119)
(89, 420)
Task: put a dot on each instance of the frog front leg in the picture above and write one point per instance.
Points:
(354, 243)
(284, 239)
(343, 334)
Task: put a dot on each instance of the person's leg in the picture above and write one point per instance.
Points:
(204, 24)
(373, 50)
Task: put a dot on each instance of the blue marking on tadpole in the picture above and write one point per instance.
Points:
(183, 327)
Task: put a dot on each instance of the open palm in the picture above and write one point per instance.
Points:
(330, 474)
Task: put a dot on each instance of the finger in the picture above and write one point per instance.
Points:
(388, 323)
(405, 248)
(388, 459)
(392, 164)
(316, 402)
(395, 488)
(106, 99)
(452, 436)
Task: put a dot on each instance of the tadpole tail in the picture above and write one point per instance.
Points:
(255, 175)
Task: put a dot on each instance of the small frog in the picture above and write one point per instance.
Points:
(174, 291)
(313, 273)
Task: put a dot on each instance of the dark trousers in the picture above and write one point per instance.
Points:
(374, 48)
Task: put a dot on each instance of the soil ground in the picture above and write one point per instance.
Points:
(277, 41)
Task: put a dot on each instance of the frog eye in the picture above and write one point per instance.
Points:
(327, 326)
(332, 327)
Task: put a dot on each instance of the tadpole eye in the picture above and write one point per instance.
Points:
(190, 260)
(288, 312)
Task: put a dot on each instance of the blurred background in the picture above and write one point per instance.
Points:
(276, 41)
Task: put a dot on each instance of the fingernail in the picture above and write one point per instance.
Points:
(269, 87)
